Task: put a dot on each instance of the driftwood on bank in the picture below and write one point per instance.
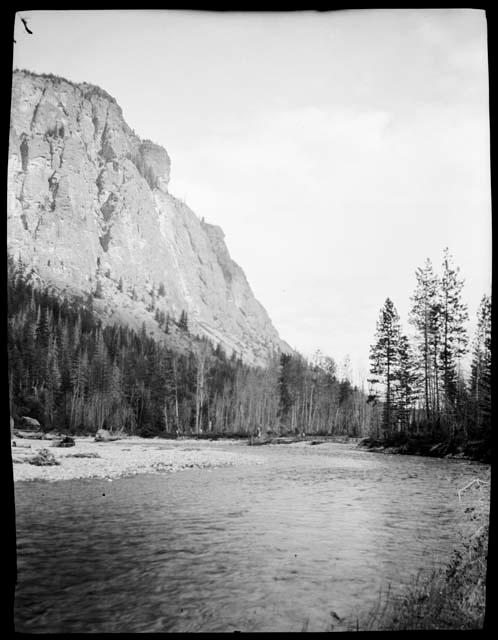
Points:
(255, 441)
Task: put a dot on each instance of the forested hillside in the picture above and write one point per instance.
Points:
(74, 375)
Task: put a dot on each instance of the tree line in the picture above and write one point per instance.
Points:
(75, 375)
(420, 383)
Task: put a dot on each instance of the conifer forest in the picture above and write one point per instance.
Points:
(75, 375)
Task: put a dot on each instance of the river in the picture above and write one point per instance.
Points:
(267, 547)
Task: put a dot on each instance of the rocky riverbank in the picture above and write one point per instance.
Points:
(478, 450)
(305, 439)
(38, 460)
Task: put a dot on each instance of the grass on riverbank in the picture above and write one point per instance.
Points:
(452, 598)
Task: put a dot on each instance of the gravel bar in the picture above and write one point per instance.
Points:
(125, 457)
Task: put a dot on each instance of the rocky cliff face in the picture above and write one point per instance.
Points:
(89, 210)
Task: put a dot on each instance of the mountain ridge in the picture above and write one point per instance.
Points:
(90, 212)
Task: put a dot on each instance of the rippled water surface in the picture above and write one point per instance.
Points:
(262, 547)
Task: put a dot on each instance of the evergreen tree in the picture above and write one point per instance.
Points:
(453, 335)
(285, 395)
(151, 306)
(183, 322)
(425, 317)
(203, 363)
(407, 378)
(480, 382)
(384, 360)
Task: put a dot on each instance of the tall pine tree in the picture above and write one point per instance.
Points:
(480, 382)
(425, 317)
(407, 378)
(384, 360)
(453, 339)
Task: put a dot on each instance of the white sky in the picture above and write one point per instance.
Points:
(336, 150)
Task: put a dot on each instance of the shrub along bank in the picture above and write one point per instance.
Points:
(427, 445)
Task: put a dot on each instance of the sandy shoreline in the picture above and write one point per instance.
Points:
(125, 457)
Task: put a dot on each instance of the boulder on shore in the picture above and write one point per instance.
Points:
(44, 458)
(67, 441)
(102, 435)
(29, 424)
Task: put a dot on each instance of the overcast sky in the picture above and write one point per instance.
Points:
(336, 150)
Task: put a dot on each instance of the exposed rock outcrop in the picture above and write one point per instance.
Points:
(89, 211)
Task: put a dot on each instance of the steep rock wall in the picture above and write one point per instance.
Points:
(89, 210)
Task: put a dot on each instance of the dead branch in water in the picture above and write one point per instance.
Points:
(470, 484)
